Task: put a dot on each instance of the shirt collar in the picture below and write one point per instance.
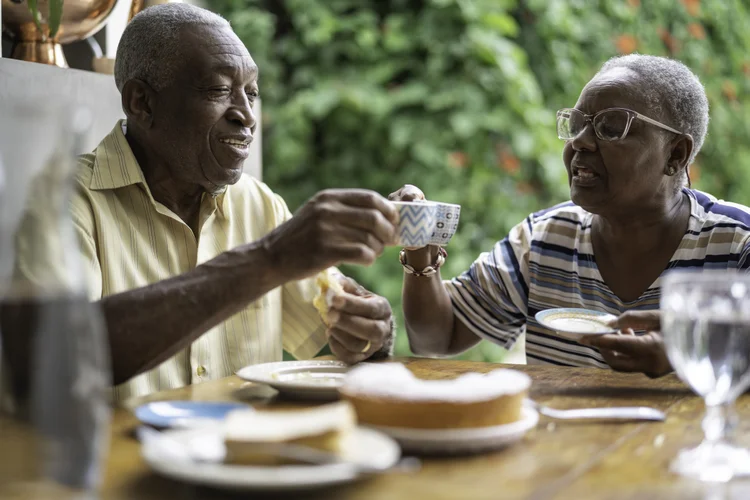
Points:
(115, 166)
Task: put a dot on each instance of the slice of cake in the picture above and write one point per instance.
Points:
(324, 428)
(390, 395)
(329, 287)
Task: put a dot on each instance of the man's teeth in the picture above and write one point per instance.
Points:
(234, 142)
(585, 173)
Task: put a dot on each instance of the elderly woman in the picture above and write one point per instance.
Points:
(629, 141)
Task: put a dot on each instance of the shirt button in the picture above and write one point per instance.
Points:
(201, 371)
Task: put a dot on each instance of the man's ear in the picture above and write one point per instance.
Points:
(138, 101)
(682, 149)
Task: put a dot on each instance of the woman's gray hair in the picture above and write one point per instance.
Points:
(149, 49)
(672, 88)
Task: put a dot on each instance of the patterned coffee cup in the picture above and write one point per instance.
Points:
(446, 223)
(416, 223)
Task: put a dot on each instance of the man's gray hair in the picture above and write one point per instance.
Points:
(149, 49)
(670, 87)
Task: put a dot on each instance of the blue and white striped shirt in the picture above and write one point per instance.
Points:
(547, 261)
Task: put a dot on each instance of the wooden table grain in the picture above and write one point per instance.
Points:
(557, 460)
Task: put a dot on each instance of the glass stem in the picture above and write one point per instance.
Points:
(719, 422)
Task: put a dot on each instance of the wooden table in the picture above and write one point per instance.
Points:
(558, 460)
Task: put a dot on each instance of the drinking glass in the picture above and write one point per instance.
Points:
(54, 424)
(706, 328)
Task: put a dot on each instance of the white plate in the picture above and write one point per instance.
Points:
(574, 324)
(313, 379)
(365, 446)
(449, 441)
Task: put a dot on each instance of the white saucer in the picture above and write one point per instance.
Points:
(455, 441)
(313, 379)
(574, 324)
(365, 446)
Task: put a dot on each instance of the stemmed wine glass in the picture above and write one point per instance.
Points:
(706, 328)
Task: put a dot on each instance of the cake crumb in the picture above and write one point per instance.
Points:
(551, 427)
(659, 440)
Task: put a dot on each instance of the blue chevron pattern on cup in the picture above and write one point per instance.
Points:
(416, 223)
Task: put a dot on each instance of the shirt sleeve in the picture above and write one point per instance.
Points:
(303, 330)
(744, 262)
(491, 297)
(83, 227)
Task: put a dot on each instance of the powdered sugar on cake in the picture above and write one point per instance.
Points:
(251, 425)
(393, 380)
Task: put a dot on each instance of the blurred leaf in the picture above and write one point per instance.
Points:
(55, 16)
(34, 10)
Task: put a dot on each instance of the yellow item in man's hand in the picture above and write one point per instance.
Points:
(329, 286)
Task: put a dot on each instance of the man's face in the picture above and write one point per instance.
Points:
(203, 122)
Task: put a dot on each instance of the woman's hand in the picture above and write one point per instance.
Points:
(407, 193)
(627, 352)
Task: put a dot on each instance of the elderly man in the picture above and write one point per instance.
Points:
(199, 269)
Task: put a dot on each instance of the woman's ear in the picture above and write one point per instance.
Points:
(682, 150)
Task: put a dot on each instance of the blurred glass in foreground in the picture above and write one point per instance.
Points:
(706, 327)
(53, 359)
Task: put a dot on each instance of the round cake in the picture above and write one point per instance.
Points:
(390, 395)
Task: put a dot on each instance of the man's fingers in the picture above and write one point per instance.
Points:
(353, 253)
(352, 343)
(352, 287)
(364, 199)
(368, 220)
(373, 306)
(639, 320)
(372, 330)
(346, 235)
(342, 353)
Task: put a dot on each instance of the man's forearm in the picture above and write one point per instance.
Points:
(149, 325)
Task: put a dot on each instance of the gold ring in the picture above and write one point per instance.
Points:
(367, 347)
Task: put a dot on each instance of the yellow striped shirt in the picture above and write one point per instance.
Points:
(128, 240)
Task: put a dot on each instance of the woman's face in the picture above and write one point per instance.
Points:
(618, 177)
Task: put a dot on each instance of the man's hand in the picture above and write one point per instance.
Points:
(360, 323)
(333, 227)
(627, 352)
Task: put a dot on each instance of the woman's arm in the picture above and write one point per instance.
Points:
(431, 324)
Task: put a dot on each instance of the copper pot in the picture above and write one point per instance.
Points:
(80, 20)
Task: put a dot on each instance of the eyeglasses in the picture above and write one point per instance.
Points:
(610, 124)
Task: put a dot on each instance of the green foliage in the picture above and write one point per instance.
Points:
(458, 97)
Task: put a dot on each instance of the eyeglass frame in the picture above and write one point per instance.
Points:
(632, 116)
